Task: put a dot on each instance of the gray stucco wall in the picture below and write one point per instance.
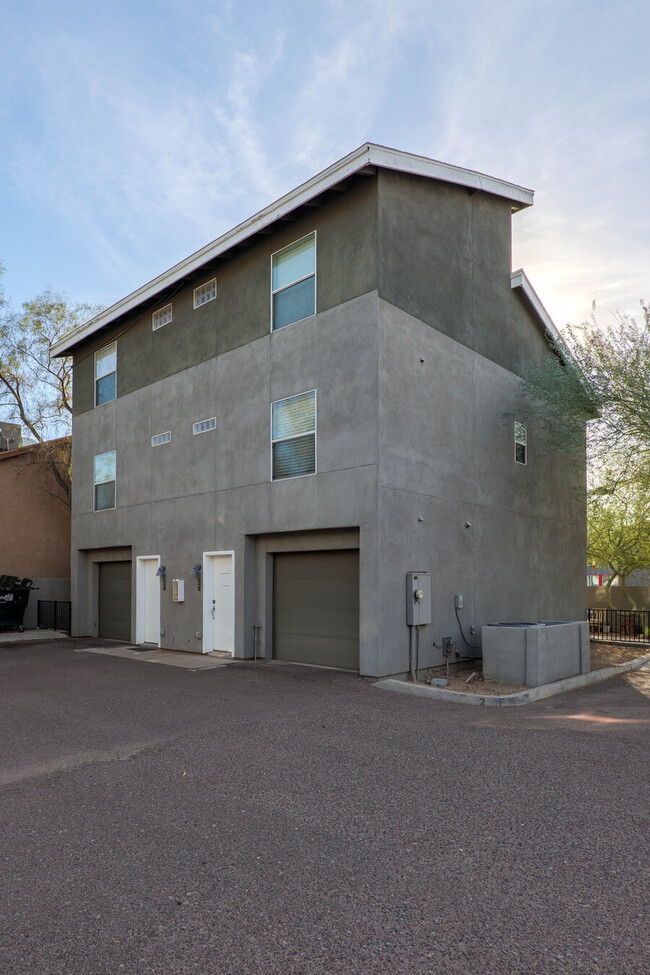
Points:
(447, 456)
(446, 259)
(208, 492)
(346, 247)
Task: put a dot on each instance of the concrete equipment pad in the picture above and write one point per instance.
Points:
(172, 658)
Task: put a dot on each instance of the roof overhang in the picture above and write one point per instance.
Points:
(518, 279)
(368, 155)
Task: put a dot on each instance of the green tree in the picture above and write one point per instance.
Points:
(599, 377)
(618, 536)
(35, 389)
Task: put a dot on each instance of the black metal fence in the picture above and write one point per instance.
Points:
(53, 615)
(620, 625)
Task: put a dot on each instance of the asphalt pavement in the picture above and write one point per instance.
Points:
(264, 818)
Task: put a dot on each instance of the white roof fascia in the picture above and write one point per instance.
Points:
(518, 279)
(366, 155)
(406, 162)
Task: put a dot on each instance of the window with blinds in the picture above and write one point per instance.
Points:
(104, 481)
(293, 282)
(106, 374)
(293, 436)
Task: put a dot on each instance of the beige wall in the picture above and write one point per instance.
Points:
(596, 598)
(34, 519)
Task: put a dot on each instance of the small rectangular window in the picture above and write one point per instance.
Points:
(104, 481)
(106, 374)
(161, 317)
(293, 282)
(161, 438)
(521, 443)
(293, 436)
(206, 292)
(202, 426)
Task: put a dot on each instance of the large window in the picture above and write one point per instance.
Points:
(106, 374)
(293, 282)
(293, 436)
(104, 478)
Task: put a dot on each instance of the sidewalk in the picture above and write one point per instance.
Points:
(31, 636)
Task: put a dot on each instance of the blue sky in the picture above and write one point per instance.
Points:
(134, 133)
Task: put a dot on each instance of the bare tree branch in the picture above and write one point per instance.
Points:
(35, 389)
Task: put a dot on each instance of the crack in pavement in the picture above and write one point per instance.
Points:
(67, 762)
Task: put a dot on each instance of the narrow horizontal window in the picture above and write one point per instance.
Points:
(202, 426)
(206, 292)
(161, 438)
(521, 443)
(293, 436)
(104, 481)
(161, 317)
(293, 282)
(106, 374)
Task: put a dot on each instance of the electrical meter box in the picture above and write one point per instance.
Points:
(418, 598)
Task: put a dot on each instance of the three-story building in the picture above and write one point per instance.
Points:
(270, 435)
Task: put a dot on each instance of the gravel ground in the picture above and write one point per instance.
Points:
(602, 655)
(612, 654)
(276, 820)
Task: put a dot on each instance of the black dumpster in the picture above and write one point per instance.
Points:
(14, 596)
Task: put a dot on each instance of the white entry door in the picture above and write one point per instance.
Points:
(148, 601)
(223, 603)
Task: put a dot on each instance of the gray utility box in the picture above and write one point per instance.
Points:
(535, 653)
(418, 598)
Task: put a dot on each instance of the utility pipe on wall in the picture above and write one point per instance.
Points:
(414, 652)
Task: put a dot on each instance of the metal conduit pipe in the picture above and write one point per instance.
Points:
(413, 652)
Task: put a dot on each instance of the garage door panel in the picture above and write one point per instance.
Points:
(316, 608)
(115, 600)
(340, 624)
(324, 651)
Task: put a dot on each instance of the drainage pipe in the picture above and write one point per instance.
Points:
(256, 630)
(412, 653)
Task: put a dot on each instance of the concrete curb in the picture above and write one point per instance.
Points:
(529, 696)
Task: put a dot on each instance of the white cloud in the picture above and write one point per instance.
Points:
(346, 81)
(142, 137)
(530, 103)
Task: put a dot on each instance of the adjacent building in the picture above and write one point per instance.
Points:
(35, 517)
(269, 436)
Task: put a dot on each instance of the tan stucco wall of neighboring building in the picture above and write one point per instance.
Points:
(34, 521)
(596, 598)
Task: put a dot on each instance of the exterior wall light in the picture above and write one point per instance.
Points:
(196, 571)
(162, 570)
